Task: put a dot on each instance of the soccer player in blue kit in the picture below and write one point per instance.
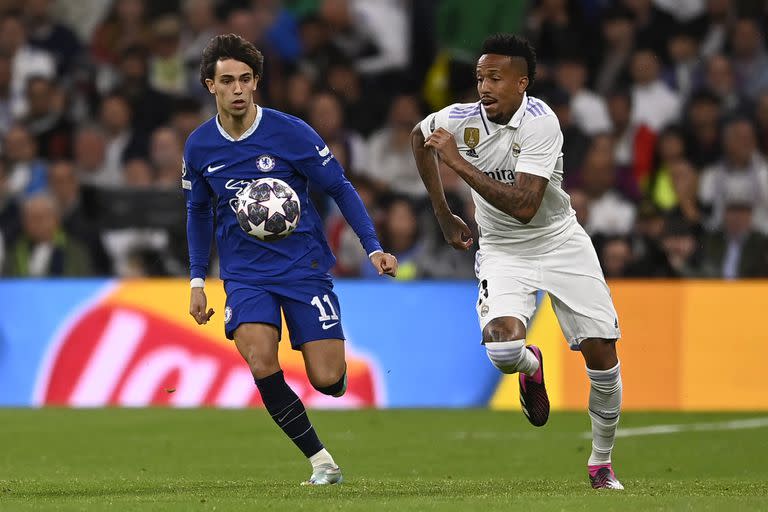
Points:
(242, 143)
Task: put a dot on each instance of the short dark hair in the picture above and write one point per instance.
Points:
(229, 46)
(513, 46)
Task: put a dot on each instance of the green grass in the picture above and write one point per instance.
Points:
(203, 460)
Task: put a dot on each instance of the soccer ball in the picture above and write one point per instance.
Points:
(268, 209)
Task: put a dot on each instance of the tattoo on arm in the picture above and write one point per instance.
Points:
(521, 199)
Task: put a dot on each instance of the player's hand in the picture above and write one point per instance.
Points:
(197, 304)
(384, 263)
(456, 232)
(442, 141)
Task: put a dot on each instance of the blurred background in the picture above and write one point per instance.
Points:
(663, 104)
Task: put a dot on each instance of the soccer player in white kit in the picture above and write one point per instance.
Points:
(507, 147)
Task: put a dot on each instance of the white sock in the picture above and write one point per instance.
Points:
(604, 410)
(512, 357)
(321, 457)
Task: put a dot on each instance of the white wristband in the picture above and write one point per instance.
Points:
(197, 282)
(374, 252)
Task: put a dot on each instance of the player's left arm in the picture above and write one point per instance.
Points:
(540, 148)
(319, 165)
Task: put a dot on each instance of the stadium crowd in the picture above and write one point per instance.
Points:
(663, 105)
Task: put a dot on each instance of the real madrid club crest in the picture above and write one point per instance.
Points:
(516, 150)
(472, 139)
(265, 163)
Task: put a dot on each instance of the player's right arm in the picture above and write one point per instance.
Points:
(199, 233)
(454, 229)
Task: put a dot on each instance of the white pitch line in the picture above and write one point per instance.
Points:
(653, 430)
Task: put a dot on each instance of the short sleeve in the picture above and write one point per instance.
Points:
(541, 144)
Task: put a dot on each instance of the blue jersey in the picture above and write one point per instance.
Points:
(216, 167)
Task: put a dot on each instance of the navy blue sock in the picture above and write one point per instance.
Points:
(289, 413)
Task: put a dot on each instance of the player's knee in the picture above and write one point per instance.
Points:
(331, 383)
(506, 355)
(504, 329)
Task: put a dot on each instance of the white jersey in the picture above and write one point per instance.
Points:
(531, 143)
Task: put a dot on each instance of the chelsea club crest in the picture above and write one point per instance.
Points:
(265, 163)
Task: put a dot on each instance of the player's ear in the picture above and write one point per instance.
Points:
(522, 85)
(210, 85)
(256, 79)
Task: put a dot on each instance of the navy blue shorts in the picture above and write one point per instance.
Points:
(310, 306)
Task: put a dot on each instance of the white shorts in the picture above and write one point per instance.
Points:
(572, 276)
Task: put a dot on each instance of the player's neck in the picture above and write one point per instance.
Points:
(236, 126)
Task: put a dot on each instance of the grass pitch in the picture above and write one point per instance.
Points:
(464, 460)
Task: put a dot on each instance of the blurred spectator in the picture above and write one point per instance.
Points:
(575, 142)
(742, 167)
(166, 67)
(9, 206)
(55, 38)
(65, 190)
(702, 130)
(44, 249)
(45, 118)
(713, 25)
(199, 27)
(27, 172)
(187, 115)
(669, 150)
(761, 122)
(555, 28)
(390, 159)
(615, 257)
(618, 43)
(649, 257)
(580, 205)
(749, 57)
(363, 113)
(123, 140)
(401, 236)
(298, 95)
(165, 155)
(652, 25)
(609, 213)
(26, 61)
(327, 117)
(90, 156)
(720, 80)
(150, 107)
(683, 70)
(654, 104)
(125, 27)
(589, 110)
(619, 104)
(138, 173)
(737, 251)
(685, 184)
(6, 114)
(350, 255)
(681, 248)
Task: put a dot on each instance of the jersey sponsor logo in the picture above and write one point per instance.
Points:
(471, 137)
(265, 163)
(515, 149)
(327, 326)
(237, 186)
(472, 153)
(211, 168)
(505, 175)
(323, 152)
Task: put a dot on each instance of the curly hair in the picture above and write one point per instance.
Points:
(513, 46)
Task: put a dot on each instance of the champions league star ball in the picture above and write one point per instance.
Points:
(268, 209)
